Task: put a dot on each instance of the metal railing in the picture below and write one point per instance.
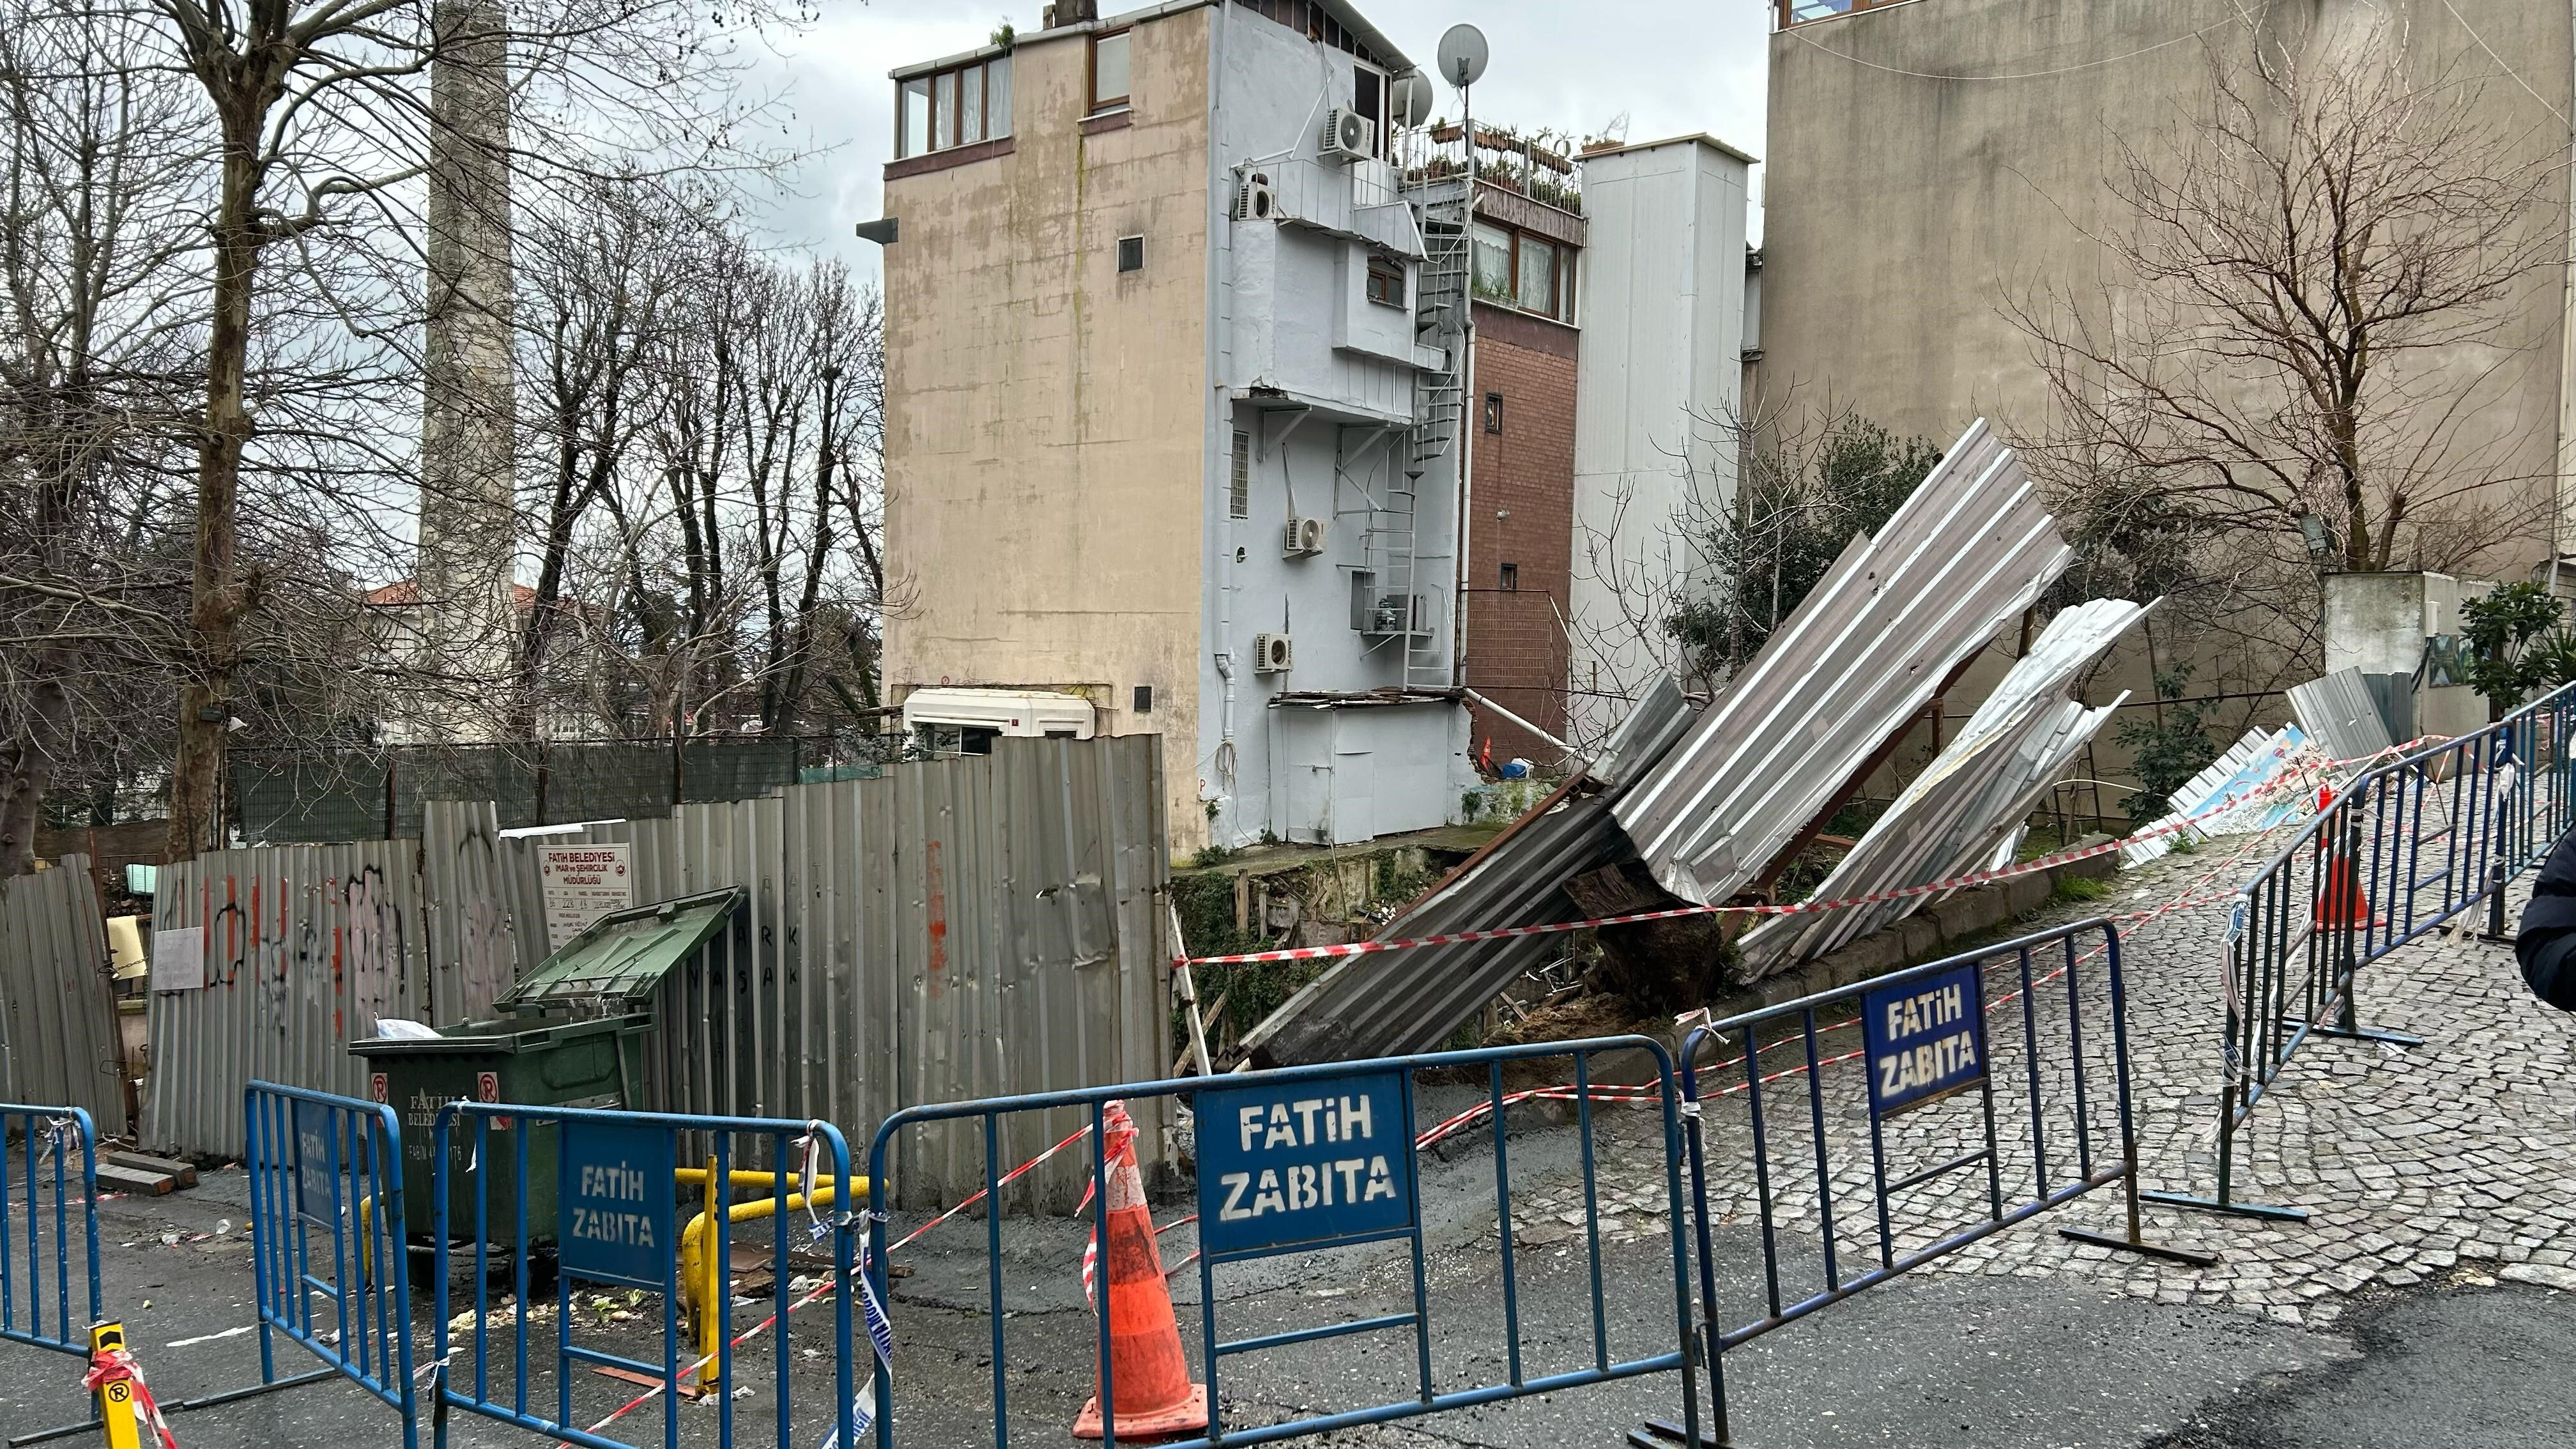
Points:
(2406, 848)
(48, 1176)
(614, 1222)
(327, 1243)
(1921, 1036)
(1281, 1205)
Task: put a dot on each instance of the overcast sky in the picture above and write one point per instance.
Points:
(1670, 67)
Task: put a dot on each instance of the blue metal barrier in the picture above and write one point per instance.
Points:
(42, 1183)
(1303, 1121)
(327, 1254)
(1922, 1036)
(616, 1222)
(2407, 847)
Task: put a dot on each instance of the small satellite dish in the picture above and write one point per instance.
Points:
(1462, 55)
(1413, 98)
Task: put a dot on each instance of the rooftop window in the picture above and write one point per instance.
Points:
(1312, 19)
(1799, 12)
(955, 107)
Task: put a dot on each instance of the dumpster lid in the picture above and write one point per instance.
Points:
(623, 956)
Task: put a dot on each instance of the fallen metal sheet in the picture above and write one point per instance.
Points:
(1394, 1002)
(2338, 713)
(1971, 800)
(1891, 621)
(2242, 773)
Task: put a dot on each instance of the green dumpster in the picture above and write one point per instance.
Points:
(573, 1036)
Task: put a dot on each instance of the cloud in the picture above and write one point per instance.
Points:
(1669, 67)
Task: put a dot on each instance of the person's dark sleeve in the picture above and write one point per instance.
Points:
(2546, 944)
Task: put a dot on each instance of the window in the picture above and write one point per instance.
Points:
(1525, 271)
(1511, 578)
(1144, 699)
(1314, 20)
(1131, 254)
(1385, 281)
(1536, 279)
(1369, 98)
(1493, 412)
(1798, 12)
(1493, 262)
(1238, 488)
(1109, 71)
(955, 107)
(912, 117)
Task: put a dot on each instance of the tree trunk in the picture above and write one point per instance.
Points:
(27, 766)
(215, 595)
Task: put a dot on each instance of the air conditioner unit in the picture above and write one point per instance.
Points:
(1305, 537)
(1390, 617)
(1255, 199)
(1348, 136)
(1273, 653)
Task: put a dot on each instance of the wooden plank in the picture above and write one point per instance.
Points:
(183, 1173)
(112, 1178)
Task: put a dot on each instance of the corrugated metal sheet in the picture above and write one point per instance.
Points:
(306, 946)
(473, 944)
(1972, 799)
(1403, 1001)
(2250, 763)
(58, 1042)
(2337, 712)
(1888, 625)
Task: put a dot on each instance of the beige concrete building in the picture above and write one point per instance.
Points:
(1173, 380)
(1935, 162)
(1932, 164)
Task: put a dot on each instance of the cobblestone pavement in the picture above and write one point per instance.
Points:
(2447, 1162)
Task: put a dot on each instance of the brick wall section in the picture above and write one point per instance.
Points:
(1516, 650)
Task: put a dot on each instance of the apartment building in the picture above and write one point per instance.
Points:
(1937, 165)
(1188, 333)
(1173, 386)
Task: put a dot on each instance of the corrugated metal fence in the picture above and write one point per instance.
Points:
(958, 928)
(305, 947)
(58, 1044)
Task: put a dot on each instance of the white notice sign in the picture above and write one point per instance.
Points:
(179, 959)
(582, 883)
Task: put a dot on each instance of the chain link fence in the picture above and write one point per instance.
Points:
(286, 796)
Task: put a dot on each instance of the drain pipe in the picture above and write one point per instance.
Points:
(2561, 465)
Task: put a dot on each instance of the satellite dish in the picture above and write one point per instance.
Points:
(1413, 98)
(1462, 55)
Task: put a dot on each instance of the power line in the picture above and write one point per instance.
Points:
(2039, 74)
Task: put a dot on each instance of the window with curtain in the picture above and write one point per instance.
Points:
(1535, 281)
(1493, 262)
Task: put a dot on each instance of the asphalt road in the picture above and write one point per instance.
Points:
(2048, 1361)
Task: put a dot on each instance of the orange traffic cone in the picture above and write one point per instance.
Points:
(2340, 898)
(2342, 902)
(1152, 1389)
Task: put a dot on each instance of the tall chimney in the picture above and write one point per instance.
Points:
(469, 407)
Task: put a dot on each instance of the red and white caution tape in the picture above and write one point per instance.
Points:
(116, 1380)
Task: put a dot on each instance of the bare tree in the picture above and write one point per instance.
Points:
(93, 249)
(324, 126)
(708, 499)
(2302, 366)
